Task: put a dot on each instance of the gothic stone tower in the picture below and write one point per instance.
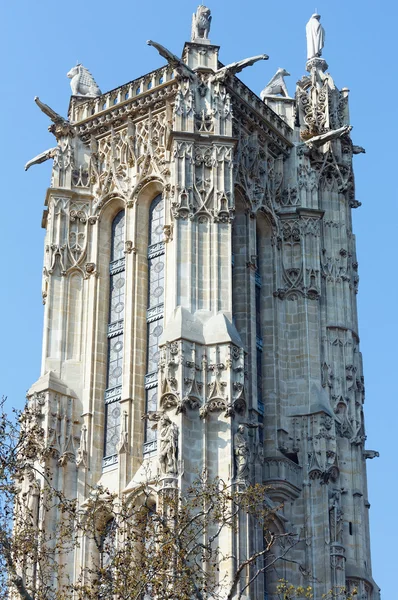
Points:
(200, 265)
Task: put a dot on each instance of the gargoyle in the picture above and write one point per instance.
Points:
(182, 69)
(319, 140)
(371, 454)
(358, 150)
(40, 158)
(61, 126)
(236, 67)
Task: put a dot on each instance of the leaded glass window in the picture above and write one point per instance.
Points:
(156, 268)
(115, 340)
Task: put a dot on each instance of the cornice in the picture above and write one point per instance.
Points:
(67, 193)
(203, 138)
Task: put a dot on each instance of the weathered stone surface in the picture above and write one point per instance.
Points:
(258, 319)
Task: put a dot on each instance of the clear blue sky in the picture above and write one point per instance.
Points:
(40, 41)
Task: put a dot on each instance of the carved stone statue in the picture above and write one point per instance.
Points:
(168, 445)
(201, 21)
(276, 85)
(335, 517)
(242, 453)
(82, 82)
(81, 454)
(315, 37)
(32, 496)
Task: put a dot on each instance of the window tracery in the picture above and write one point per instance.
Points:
(155, 308)
(115, 340)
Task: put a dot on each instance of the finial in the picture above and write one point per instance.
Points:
(201, 21)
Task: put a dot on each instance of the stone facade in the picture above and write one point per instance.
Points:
(242, 293)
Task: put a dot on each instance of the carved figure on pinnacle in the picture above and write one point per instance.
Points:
(201, 21)
(276, 85)
(315, 37)
(82, 82)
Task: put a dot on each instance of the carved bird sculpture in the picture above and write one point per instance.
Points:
(182, 69)
(236, 67)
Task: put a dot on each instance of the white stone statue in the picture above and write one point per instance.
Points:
(168, 445)
(182, 69)
(201, 21)
(32, 496)
(315, 37)
(242, 453)
(276, 85)
(82, 82)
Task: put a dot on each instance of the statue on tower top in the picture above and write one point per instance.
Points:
(315, 37)
(201, 21)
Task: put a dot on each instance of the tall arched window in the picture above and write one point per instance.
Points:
(113, 390)
(155, 308)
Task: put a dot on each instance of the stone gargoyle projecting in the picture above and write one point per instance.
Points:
(182, 69)
(236, 67)
(60, 128)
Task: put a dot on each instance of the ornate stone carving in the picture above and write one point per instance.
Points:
(315, 37)
(312, 103)
(82, 82)
(40, 158)
(335, 516)
(61, 127)
(201, 21)
(322, 460)
(123, 446)
(319, 140)
(276, 85)
(81, 453)
(180, 67)
(232, 69)
(241, 453)
(168, 445)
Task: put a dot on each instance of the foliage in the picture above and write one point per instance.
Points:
(156, 542)
(288, 591)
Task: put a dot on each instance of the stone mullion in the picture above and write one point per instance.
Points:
(96, 351)
(89, 344)
(272, 348)
(126, 404)
(215, 273)
(56, 289)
